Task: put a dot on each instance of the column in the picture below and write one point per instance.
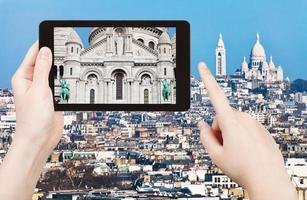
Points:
(154, 92)
(159, 91)
(128, 91)
(135, 92)
(107, 92)
(110, 92)
(109, 51)
(81, 92)
(131, 91)
(86, 95)
(100, 89)
(128, 45)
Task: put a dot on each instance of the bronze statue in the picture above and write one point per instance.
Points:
(166, 91)
(65, 91)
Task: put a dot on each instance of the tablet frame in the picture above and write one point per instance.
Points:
(46, 38)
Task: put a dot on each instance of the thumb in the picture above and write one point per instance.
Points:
(42, 66)
(210, 141)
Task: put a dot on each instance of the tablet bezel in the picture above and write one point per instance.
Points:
(46, 38)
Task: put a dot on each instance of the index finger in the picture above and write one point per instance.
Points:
(218, 99)
(29, 59)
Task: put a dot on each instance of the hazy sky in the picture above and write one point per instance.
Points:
(282, 26)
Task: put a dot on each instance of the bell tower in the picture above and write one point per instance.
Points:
(220, 58)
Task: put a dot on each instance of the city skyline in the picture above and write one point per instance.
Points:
(280, 25)
(158, 155)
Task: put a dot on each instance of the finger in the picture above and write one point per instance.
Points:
(217, 96)
(209, 140)
(29, 59)
(24, 74)
(42, 66)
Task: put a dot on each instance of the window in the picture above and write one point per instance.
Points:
(72, 49)
(146, 96)
(164, 71)
(70, 71)
(119, 31)
(145, 79)
(219, 65)
(301, 181)
(151, 45)
(141, 40)
(61, 71)
(164, 50)
(77, 50)
(92, 96)
(55, 72)
(92, 77)
(119, 85)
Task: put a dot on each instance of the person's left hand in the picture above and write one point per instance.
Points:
(38, 127)
(36, 120)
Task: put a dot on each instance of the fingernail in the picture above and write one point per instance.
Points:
(44, 52)
(203, 64)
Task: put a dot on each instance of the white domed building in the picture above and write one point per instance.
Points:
(120, 65)
(258, 68)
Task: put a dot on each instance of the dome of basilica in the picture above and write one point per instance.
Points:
(258, 50)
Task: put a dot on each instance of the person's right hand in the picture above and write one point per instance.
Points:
(242, 148)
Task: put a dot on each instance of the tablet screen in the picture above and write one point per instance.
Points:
(115, 65)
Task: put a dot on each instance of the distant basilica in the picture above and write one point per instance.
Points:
(257, 69)
(121, 65)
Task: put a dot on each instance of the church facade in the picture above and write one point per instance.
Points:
(124, 65)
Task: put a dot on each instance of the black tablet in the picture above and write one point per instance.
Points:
(119, 65)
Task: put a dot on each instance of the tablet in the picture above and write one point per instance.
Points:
(118, 65)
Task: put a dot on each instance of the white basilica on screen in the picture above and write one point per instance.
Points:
(121, 65)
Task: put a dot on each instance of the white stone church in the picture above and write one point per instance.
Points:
(121, 65)
(258, 69)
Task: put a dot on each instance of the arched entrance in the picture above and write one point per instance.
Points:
(119, 85)
(92, 85)
(119, 78)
